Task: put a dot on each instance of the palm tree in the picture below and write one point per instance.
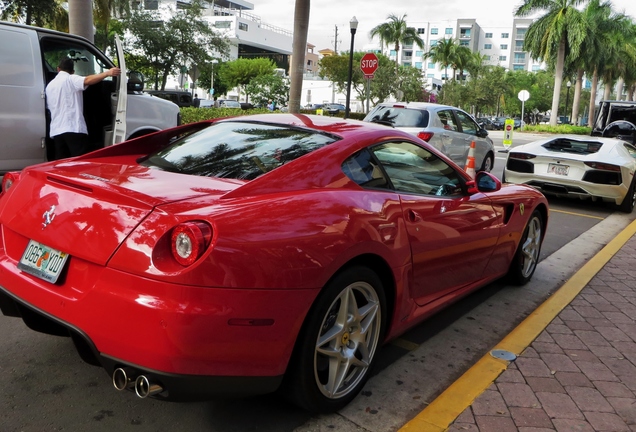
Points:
(461, 60)
(559, 30)
(443, 53)
(299, 49)
(80, 18)
(396, 33)
(104, 11)
(41, 13)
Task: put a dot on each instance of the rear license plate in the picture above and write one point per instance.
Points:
(558, 169)
(42, 261)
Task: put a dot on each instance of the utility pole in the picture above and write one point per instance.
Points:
(335, 49)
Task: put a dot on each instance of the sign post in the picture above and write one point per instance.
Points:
(368, 65)
(523, 96)
(509, 125)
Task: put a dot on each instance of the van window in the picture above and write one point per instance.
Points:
(87, 62)
(16, 58)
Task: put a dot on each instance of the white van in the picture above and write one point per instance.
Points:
(29, 57)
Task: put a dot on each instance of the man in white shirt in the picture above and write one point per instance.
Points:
(65, 101)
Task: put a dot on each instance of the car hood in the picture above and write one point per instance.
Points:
(88, 209)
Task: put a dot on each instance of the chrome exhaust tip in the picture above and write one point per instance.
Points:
(145, 388)
(122, 379)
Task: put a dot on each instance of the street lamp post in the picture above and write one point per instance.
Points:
(567, 100)
(215, 61)
(353, 25)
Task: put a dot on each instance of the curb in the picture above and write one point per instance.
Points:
(441, 413)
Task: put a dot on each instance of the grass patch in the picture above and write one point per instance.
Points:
(558, 129)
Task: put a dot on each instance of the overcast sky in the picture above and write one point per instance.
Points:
(325, 15)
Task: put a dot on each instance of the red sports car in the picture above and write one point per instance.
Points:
(254, 253)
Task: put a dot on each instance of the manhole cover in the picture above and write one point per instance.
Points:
(503, 355)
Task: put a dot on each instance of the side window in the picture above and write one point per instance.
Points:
(362, 169)
(86, 59)
(447, 119)
(413, 169)
(631, 150)
(467, 124)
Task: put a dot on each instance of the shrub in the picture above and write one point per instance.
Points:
(559, 129)
(193, 115)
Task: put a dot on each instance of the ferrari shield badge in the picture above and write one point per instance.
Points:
(521, 209)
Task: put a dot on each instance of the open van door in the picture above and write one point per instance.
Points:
(119, 127)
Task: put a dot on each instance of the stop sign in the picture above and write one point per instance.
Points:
(369, 64)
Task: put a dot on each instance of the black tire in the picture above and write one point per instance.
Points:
(355, 344)
(629, 201)
(487, 163)
(526, 257)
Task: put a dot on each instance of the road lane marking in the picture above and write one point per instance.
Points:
(577, 214)
(441, 413)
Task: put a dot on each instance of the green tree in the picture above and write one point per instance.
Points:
(164, 47)
(410, 84)
(559, 30)
(41, 13)
(270, 87)
(396, 33)
(105, 26)
(240, 72)
(443, 53)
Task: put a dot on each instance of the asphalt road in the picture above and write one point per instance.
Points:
(44, 386)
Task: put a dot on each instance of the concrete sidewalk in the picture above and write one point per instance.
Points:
(578, 374)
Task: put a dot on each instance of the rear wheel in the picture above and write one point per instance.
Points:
(629, 201)
(338, 344)
(487, 164)
(526, 257)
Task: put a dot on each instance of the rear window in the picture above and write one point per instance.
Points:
(573, 146)
(398, 117)
(237, 150)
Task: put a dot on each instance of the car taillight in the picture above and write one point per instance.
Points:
(603, 166)
(426, 136)
(523, 156)
(8, 180)
(189, 240)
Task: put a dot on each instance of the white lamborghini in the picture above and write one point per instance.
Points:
(576, 165)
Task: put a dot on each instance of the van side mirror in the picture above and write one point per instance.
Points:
(135, 81)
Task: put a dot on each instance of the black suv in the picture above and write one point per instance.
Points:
(616, 119)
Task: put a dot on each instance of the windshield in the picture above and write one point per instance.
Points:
(573, 146)
(237, 150)
(398, 117)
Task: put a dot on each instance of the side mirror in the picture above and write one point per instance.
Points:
(486, 182)
(482, 133)
(135, 81)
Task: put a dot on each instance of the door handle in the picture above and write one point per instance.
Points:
(413, 216)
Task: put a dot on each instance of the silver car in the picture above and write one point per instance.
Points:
(447, 128)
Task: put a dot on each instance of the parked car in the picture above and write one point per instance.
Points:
(229, 103)
(484, 122)
(179, 97)
(29, 57)
(616, 119)
(206, 103)
(498, 123)
(155, 266)
(333, 108)
(448, 129)
(313, 106)
(593, 168)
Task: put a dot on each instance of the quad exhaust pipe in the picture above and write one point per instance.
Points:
(123, 378)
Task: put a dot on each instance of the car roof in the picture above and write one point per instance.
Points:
(417, 105)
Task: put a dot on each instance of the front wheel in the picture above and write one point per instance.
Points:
(526, 257)
(338, 344)
(487, 164)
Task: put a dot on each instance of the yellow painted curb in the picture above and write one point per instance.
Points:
(441, 413)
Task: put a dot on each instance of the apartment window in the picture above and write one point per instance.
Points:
(487, 46)
(431, 65)
(464, 43)
(222, 24)
(434, 31)
(448, 31)
(505, 35)
(486, 58)
(519, 45)
(406, 64)
(536, 68)
(392, 53)
(518, 67)
(181, 5)
(151, 4)
(421, 30)
(520, 57)
(242, 26)
(521, 33)
(464, 33)
(503, 46)
(418, 65)
(418, 53)
(503, 58)
(430, 75)
(488, 35)
(433, 42)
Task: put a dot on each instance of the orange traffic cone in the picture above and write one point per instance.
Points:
(470, 162)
